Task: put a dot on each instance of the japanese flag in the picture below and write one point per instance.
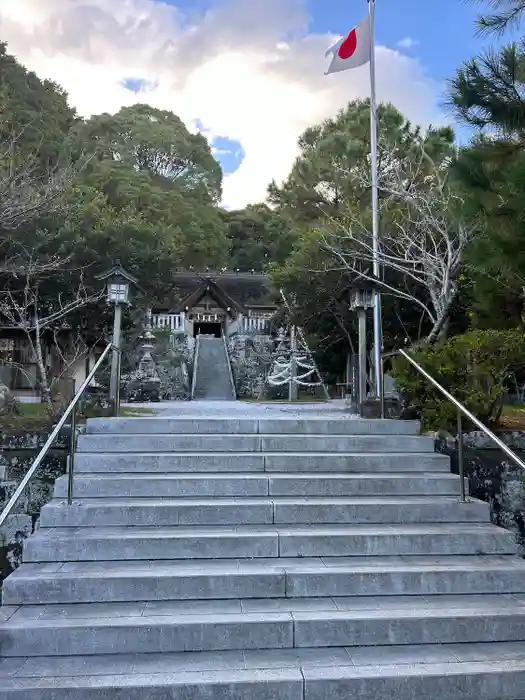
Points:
(352, 50)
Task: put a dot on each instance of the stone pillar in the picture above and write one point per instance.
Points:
(147, 371)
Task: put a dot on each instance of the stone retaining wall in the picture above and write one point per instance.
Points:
(17, 453)
(493, 477)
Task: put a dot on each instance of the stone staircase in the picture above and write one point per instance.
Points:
(213, 374)
(263, 559)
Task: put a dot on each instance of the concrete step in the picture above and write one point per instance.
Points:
(105, 581)
(177, 485)
(297, 658)
(144, 512)
(155, 425)
(134, 543)
(271, 675)
(253, 443)
(274, 684)
(266, 626)
(111, 611)
(499, 680)
(148, 463)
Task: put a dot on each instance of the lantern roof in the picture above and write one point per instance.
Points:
(118, 271)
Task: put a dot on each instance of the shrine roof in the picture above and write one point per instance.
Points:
(238, 290)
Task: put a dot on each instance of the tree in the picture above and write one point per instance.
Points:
(156, 142)
(35, 168)
(328, 195)
(321, 183)
(495, 260)
(40, 316)
(507, 14)
(35, 116)
(424, 239)
(25, 194)
(149, 197)
(487, 94)
(257, 236)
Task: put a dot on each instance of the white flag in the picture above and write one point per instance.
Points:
(352, 50)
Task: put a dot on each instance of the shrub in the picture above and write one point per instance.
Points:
(477, 368)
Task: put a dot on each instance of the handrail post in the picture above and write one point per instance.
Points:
(116, 404)
(71, 460)
(382, 386)
(461, 459)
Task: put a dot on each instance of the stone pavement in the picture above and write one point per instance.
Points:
(332, 409)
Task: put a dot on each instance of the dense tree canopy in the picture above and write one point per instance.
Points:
(322, 180)
(257, 237)
(35, 117)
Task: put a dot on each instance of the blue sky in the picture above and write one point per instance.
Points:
(443, 28)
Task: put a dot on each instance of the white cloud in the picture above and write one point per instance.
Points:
(407, 43)
(249, 72)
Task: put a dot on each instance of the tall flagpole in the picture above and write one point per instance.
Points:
(375, 205)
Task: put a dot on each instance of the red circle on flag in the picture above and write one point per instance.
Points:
(348, 47)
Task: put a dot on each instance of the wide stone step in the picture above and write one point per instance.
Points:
(270, 679)
(90, 582)
(263, 626)
(177, 485)
(143, 512)
(109, 611)
(134, 543)
(253, 462)
(154, 425)
(253, 443)
(297, 658)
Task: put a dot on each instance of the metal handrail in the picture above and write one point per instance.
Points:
(195, 362)
(230, 371)
(462, 411)
(70, 411)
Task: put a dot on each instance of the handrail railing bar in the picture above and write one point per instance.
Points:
(461, 458)
(58, 427)
(463, 410)
(71, 457)
(117, 393)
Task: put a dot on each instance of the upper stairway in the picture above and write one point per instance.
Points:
(212, 371)
(206, 558)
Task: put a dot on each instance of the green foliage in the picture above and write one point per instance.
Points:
(321, 182)
(477, 368)
(257, 237)
(35, 115)
(487, 93)
(487, 90)
(149, 196)
(156, 142)
(506, 14)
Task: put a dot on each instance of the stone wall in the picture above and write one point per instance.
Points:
(17, 453)
(493, 477)
(250, 358)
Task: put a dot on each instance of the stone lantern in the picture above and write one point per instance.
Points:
(119, 283)
(361, 293)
